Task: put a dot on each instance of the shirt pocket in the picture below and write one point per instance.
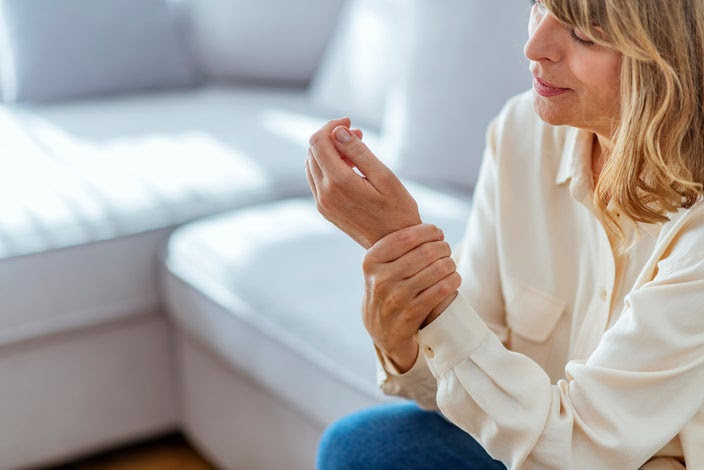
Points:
(532, 314)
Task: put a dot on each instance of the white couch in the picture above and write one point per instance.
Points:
(241, 329)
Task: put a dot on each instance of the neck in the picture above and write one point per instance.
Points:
(601, 149)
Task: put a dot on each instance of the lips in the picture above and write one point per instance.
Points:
(547, 89)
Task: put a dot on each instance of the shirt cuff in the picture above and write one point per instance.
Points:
(392, 382)
(452, 337)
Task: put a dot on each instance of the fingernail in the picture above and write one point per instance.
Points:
(441, 234)
(342, 135)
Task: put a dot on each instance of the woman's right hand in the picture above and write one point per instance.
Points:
(408, 274)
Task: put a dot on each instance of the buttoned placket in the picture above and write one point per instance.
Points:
(598, 314)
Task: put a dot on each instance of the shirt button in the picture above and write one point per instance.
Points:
(429, 351)
(603, 294)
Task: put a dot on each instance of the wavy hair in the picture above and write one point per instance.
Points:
(657, 162)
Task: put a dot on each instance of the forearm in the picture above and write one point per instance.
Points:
(508, 401)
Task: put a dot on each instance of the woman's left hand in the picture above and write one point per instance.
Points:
(410, 279)
(367, 207)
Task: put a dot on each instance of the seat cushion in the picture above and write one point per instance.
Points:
(285, 275)
(90, 190)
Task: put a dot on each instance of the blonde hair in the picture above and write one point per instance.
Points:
(657, 162)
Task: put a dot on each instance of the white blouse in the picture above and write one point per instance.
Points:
(560, 353)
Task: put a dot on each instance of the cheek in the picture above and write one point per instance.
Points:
(600, 77)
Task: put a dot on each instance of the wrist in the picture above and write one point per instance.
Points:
(403, 359)
(441, 307)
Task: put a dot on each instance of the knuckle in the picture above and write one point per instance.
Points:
(386, 179)
(455, 280)
(441, 268)
(427, 251)
(323, 208)
(314, 139)
(323, 201)
(370, 265)
(356, 147)
(429, 228)
(445, 248)
(394, 299)
(406, 238)
(449, 265)
(338, 180)
(448, 285)
(442, 289)
(379, 286)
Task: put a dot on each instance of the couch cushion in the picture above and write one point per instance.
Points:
(272, 40)
(360, 61)
(89, 190)
(56, 50)
(284, 272)
(450, 73)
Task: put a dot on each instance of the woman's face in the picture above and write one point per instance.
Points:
(575, 81)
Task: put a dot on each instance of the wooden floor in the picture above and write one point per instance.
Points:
(168, 453)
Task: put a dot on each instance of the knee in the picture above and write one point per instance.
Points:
(340, 445)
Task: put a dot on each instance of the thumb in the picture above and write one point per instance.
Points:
(357, 152)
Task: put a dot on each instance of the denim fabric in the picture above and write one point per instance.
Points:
(400, 436)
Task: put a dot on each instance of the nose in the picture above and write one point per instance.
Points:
(544, 38)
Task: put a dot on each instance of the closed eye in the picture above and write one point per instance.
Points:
(579, 40)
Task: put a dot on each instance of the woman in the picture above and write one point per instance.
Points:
(575, 338)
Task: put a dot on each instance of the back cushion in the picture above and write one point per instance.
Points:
(361, 61)
(278, 41)
(52, 50)
(462, 60)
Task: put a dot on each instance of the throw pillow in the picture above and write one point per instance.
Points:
(278, 41)
(54, 50)
(464, 60)
(357, 69)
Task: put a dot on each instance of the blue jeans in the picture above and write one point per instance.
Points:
(400, 436)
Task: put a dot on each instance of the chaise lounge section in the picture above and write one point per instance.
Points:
(163, 266)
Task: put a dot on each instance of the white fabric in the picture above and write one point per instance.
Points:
(86, 171)
(77, 287)
(74, 394)
(560, 352)
(269, 40)
(233, 422)
(77, 48)
(358, 67)
(89, 190)
(292, 278)
(463, 60)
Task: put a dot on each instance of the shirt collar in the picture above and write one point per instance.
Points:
(576, 165)
(575, 162)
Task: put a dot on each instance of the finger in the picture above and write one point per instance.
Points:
(400, 242)
(311, 181)
(323, 150)
(315, 171)
(431, 275)
(359, 134)
(431, 297)
(420, 258)
(349, 145)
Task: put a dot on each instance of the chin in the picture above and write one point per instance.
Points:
(549, 111)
